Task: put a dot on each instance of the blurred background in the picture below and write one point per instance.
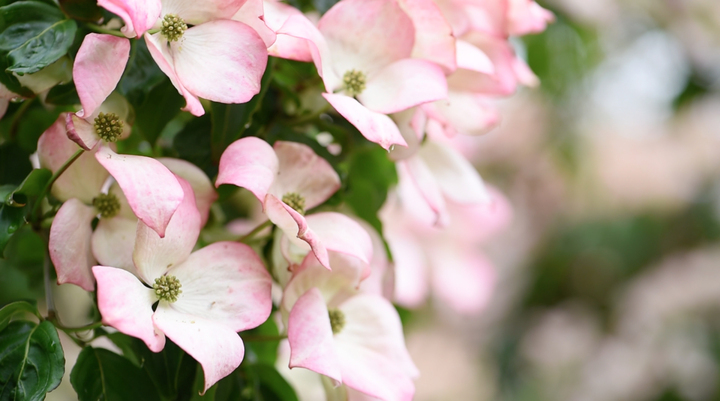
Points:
(609, 276)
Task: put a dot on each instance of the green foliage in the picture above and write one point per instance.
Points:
(141, 74)
(31, 360)
(160, 106)
(19, 202)
(16, 308)
(83, 10)
(22, 268)
(193, 144)
(254, 382)
(103, 375)
(370, 175)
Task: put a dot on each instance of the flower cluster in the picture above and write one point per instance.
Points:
(407, 75)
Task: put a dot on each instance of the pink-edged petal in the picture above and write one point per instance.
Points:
(126, 304)
(221, 60)
(471, 58)
(454, 112)
(303, 172)
(151, 189)
(252, 14)
(294, 226)
(342, 234)
(434, 40)
(299, 26)
(81, 132)
(524, 74)
(404, 84)
(526, 16)
(217, 347)
(250, 163)
(462, 278)
(83, 179)
(415, 176)
(154, 255)
(412, 282)
(411, 123)
(113, 241)
(138, 15)
(367, 35)
(372, 351)
(69, 244)
(205, 194)
(225, 282)
(98, 66)
(160, 52)
(311, 337)
(455, 176)
(376, 127)
(195, 12)
(285, 46)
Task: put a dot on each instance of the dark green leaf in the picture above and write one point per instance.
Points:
(193, 144)
(63, 95)
(83, 10)
(103, 375)
(44, 49)
(31, 361)
(141, 74)
(370, 175)
(24, 20)
(228, 123)
(11, 218)
(262, 351)
(14, 163)
(161, 105)
(270, 384)
(16, 308)
(33, 184)
(22, 268)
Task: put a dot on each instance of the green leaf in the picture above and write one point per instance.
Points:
(63, 95)
(193, 144)
(11, 219)
(31, 187)
(44, 49)
(141, 74)
(14, 163)
(16, 308)
(271, 385)
(161, 105)
(262, 351)
(370, 175)
(24, 20)
(100, 374)
(83, 10)
(31, 360)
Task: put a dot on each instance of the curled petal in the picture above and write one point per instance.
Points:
(456, 177)
(376, 127)
(216, 346)
(154, 255)
(471, 58)
(81, 132)
(98, 66)
(311, 337)
(342, 234)
(126, 304)
(221, 60)
(252, 14)
(434, 40)
(303, 172)
(160, 52)
(151, 189)
(138, 15)
(285, 46)
(69, 244)
(113, 241)
(227, 283)
(249, 163)
(420, 186)
(404, 84)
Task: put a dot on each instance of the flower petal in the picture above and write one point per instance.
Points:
(195, 12)
(418, 184)
(456, 177)
(471, 58)
(376, 127)
(285, 46)
(252, 14)
(462, 278)
(249, 163)
(205, 194)
(342, 234)
(434, 40)
(160, 53)
(311, 337)
(98, 66)
(367, 35)
(83, 179)
(303, 172)
(225, 282)
(113, 241)
(69, 244)
(154, 255)
(412, 281)
(221, 60)
(151, 189)
(455, 109)
(81, 132)
(138, 15)
(217, 347)
(404, 84)
(126, 304)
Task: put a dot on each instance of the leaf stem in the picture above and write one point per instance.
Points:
(52, 180)
(245, 238)
(98, 28)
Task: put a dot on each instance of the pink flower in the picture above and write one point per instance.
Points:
(289, 179)
(363, 49)
(447, 260)
(203, 298)
(353, 338)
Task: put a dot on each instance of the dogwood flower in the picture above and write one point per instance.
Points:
(362, 49)
(354, 338)
(203, 298)
(289, 179)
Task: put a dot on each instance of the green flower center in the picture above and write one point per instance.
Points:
(173, 27)
(107, 205)
(337, 320)
(108, 126)
(167, 288)
(354, 82)
(295, 201)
